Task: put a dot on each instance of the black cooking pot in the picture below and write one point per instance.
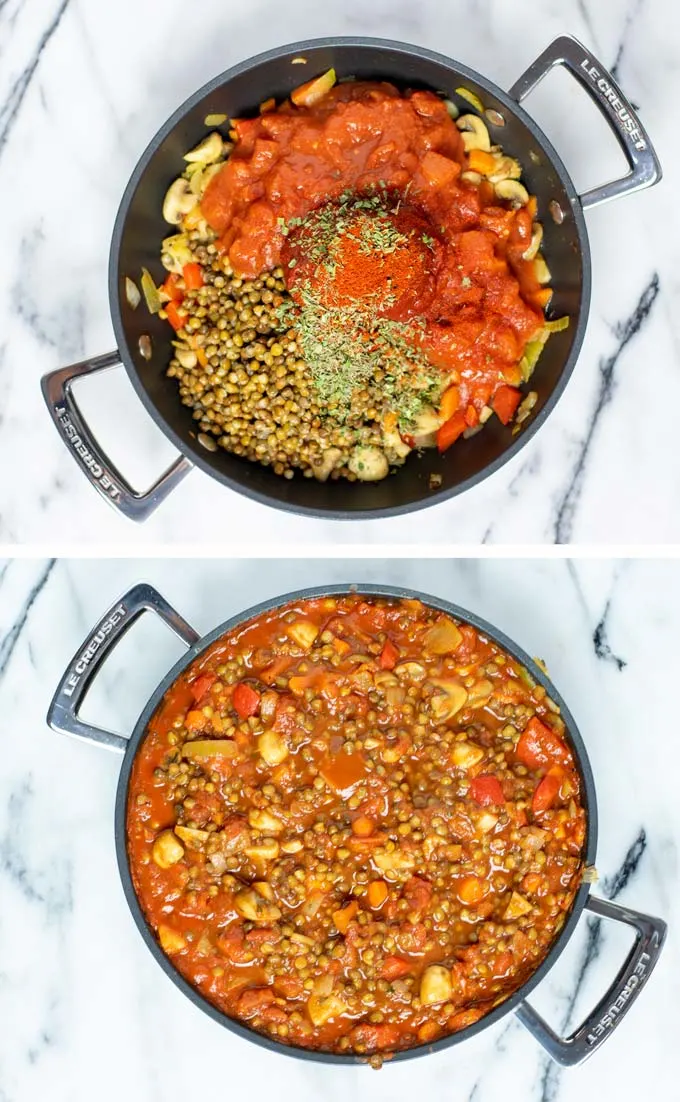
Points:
(140, 228)
(650, 932)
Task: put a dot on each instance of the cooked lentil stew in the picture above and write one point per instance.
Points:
(356, 275)
(355, 824)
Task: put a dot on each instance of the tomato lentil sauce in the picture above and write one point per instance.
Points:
(355, 824)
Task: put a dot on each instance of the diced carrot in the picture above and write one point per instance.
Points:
(542, 297)
(341, 647)
(377, 893)
(438, 170)
(428, 1031)
(472, 890)
(267, 105)
(195, 721)
(175, 318)
(344, 916)
(393, 968)
(389, 656)
(300, 682)
(343, 771)
(363, 827)
(449, 403)
(314, 90)
(505, 402)
(254, 1000)
(246, 700)
(202, 356)
(193, 276)
(450, 431)
(484, 163)
(471, 417)
(532, 207)
(532, 882)
(171, 289)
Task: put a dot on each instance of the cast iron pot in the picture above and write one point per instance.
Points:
(140, 228)
(63, 716)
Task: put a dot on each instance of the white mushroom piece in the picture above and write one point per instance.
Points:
(369, 464)
(179, 200)
(474, 132)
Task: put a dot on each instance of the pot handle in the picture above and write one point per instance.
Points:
(601, 1022)
(617, 110)
(62, 715)
(57, 388)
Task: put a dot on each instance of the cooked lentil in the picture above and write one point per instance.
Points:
(355, 824)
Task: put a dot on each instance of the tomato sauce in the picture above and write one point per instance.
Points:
(476, 296)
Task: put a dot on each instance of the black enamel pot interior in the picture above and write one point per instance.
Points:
(140, 228)
(573, 737)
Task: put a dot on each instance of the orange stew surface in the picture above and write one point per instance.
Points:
(475, 292)
(355, 824)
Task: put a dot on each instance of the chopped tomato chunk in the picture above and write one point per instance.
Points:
(486, 790)
(246, 700)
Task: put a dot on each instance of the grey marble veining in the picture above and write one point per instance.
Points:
(85, 85)
(83, 1005)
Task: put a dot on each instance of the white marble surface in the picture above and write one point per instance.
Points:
(83, 87)
(86, 1011)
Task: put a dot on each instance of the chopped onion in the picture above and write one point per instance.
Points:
(132, 293)
(150, 292)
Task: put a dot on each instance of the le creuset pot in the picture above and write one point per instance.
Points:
(649, 932)
(139, 229)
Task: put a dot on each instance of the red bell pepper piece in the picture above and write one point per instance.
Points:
(451, 430)
(202, 684)
(176, 319)
(388, 656)
(246, 700)
(547, 790)
(471, 417)
(505, 402)
(193, 276)
(486, 790)
(394, 968)
(170, 288)
(539, 746)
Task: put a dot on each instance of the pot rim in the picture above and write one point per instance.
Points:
(430, 497)
(364, 590)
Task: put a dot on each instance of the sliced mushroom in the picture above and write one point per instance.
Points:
(470, 177)
(517, 906)
(265, 821)
(192, 838)
(208, 151)
(443, 637)
(369, 464)
(167, 850)
(425, 425)
(175, 253)
(449, 701)
(480, 691)
(303, 632)
(435, 985)
(507, 168)
(178, 201)
(475, 133)
(513, 192)
(267, 850)
(171, 941)
(326, 464)
(253, 907)
(272, 747)
(465, 755)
